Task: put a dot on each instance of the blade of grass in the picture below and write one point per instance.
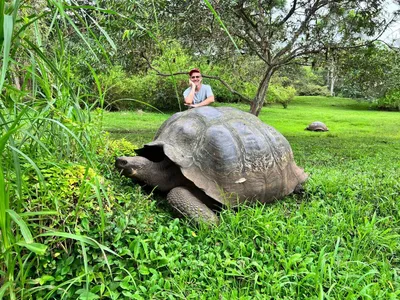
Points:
(97, 188)
(211, 8)
(84, 239)
(37, 248)
(8, 31)
(26, 233)
(4, 205)
(39, 213)
(32, 163)
(60, 8)
(85, 264)
(4, 288)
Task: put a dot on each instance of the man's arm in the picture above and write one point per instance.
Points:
(189, 98)
(210, 98)
(207, 101)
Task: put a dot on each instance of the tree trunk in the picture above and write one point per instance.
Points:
(332, 86)
(259, 99)
(332, 76)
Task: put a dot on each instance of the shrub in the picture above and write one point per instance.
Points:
(116, 85)
(138, 91)
(391, 101)
(311, 90)
(113, 148)
(279, 94)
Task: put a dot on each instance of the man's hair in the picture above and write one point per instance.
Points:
(195, 70)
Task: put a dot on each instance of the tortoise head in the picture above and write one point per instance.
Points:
(131, 166)
(164, 175)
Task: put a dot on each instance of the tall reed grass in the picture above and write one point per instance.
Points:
(44, 119)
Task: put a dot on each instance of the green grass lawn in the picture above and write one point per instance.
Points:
(341, 240)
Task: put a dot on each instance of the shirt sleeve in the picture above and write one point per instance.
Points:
(186, 92)
(209, 91)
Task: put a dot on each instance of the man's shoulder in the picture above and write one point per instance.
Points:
(206, 86)
(187, 91)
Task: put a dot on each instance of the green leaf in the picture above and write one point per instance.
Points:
(37, 248)
(129, 294)
(22, 225)
(126, 285)
(69, 260)
(144, 270)
(65, 270)
(45, 278)
(86, 295)
(4, 288)
(8, 30)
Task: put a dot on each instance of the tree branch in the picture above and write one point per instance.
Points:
(317, 5)
(203, 75)
(290, 13)
(249, 44)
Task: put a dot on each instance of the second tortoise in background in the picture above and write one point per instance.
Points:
(317, 126)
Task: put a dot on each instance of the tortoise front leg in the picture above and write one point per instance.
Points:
(189, 205)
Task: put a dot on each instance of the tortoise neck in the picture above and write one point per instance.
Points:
(165, 175)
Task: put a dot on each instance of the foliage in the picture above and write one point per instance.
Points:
(279, 94)
(148, 90)
(306, 80)
(164, 92)
(368, 72)
(139, 91)
(312, 90)
(391, 101)
(44, 119)
(277, 33)
(113, 148)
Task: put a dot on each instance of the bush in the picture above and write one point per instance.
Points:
(116, 86)
(391, 101)
(157, 91)
(279, 94)
(311, 90)
(127, 93)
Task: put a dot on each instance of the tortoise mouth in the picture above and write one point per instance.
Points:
(125, 168)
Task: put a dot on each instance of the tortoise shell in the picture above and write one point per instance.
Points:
(229, 154)
(317, 126)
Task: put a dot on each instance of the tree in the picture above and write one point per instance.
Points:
(369, 72)
(279, 31)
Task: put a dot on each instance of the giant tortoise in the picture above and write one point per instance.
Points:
(209, 155)
(317, 126)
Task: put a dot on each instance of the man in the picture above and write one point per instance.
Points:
(197, 94)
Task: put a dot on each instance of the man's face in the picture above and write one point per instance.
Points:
(196, 78)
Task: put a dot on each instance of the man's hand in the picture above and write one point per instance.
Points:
(190, 105)
(192, 84)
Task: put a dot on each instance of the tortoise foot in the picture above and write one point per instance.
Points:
(189, 205)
